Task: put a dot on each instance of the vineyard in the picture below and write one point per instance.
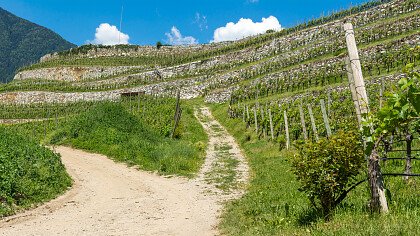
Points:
(289, 98)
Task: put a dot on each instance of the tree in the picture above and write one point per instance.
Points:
(159, 45)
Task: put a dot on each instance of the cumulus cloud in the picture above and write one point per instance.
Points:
(107, 34)
(175, 38)
(244, 28)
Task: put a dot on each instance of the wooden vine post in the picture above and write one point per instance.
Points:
(325, 117)
(286, 127)
(271, 124)
(311, 115)
(356, 69)
(177, 116)
(378, 201)
(409, 140)
(256, 120)
(353, 91)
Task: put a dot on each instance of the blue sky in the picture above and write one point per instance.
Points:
(147, 21)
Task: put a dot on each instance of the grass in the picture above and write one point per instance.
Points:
(223, 173)
(273, 204)
(29, 173)
(121, 132)
(110, 129)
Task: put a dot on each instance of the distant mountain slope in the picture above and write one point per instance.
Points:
(23, 42)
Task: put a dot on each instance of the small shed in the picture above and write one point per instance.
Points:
(132, 94)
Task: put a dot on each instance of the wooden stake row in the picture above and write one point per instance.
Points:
(286, 121)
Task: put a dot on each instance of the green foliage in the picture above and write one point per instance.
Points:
(110, 129)
(401, 112)
(29, 173)
(23, 42)
(159, 45)
(273, 205)
(156, 112)
(326, 169)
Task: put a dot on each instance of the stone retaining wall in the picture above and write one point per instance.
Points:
(78, 73)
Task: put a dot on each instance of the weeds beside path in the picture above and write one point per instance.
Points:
(225, 169)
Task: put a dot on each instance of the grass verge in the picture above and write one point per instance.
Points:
(274, 206)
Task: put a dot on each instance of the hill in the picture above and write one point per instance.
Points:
(275, 91)
(23, 42)
(313, 51)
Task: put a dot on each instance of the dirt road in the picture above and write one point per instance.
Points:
(110, 198)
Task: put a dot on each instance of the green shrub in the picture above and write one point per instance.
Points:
(29, 173)
(327, 168)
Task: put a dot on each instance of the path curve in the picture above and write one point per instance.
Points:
(110, 198)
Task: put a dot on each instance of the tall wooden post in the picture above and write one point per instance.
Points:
(286, 127)
(271, 124)
(409, 140)
(311, 115)
(256, 120)
(356, 69)
(353, 91)
(325, 117)
(378, 198)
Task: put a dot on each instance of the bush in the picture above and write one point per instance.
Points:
(29, 173)
(327, 168)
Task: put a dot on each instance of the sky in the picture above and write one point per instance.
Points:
(144, 22)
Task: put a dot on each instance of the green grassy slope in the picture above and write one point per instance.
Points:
(111, 130)
(29, 173)
(133, 132)
(274, 206)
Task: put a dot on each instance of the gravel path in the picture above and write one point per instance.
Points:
(110, 198)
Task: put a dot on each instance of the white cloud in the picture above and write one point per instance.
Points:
(244, 28)
(107, 34)
(253, 1)
(175, 38)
